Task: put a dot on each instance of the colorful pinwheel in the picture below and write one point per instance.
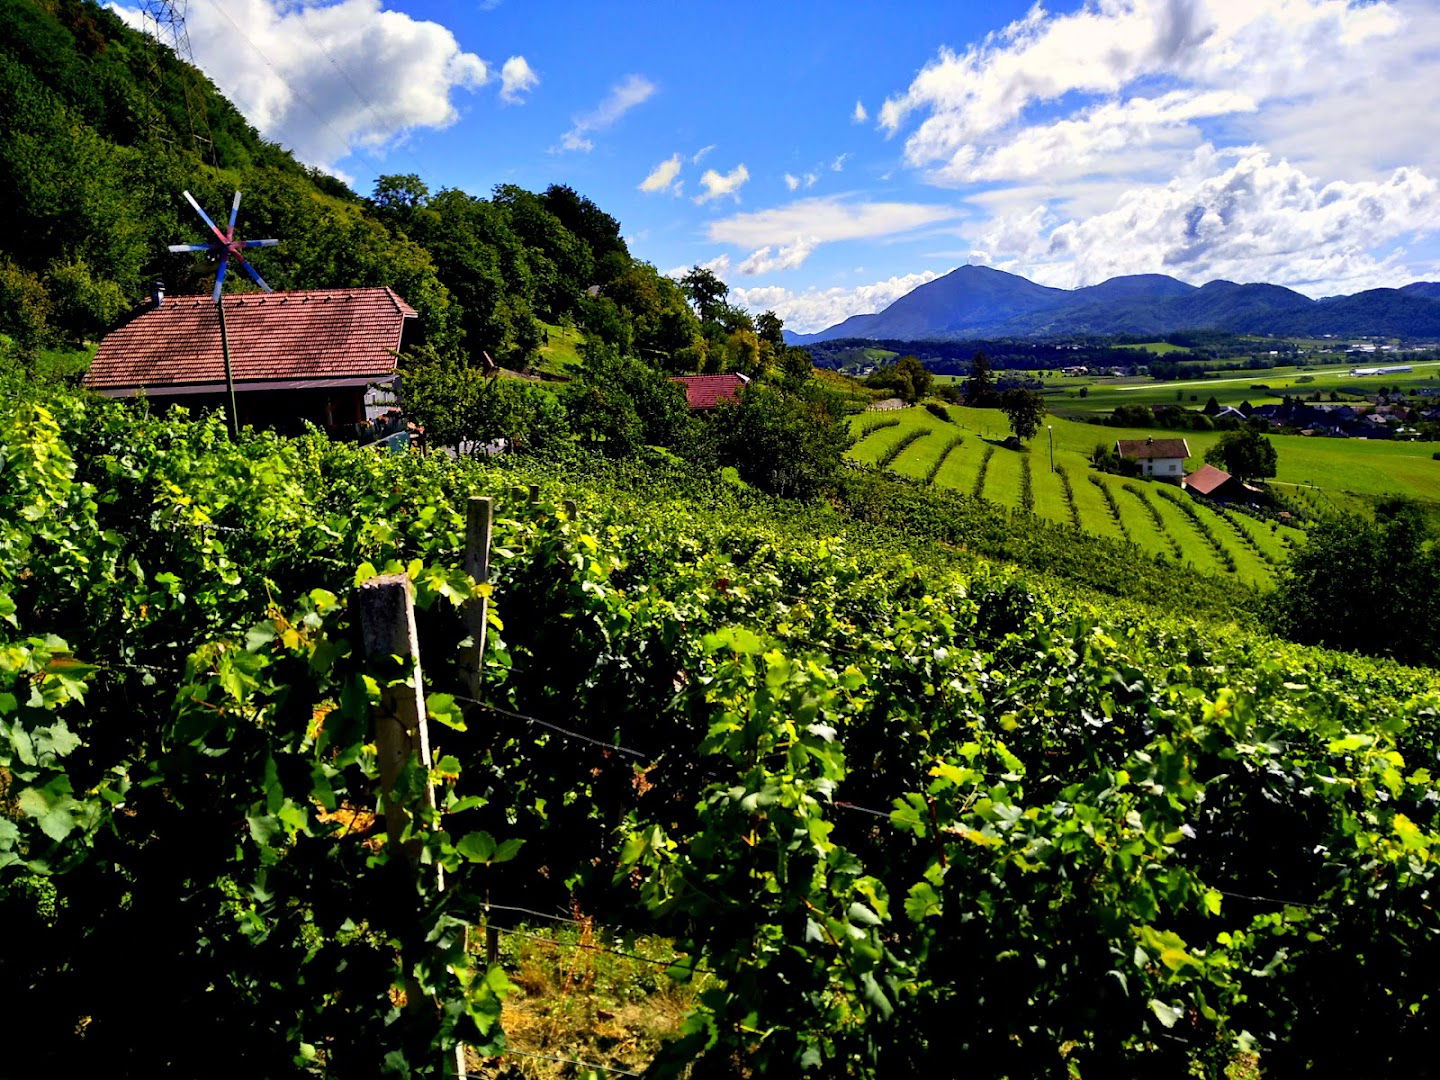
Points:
(225, 245)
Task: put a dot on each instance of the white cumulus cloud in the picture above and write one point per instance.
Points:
(789, 256)
(717, 184)
(663, 176)
(631, 91)
(859, 116)
(326, 80)
(808, 310)
(1242, 216)
(517, 78)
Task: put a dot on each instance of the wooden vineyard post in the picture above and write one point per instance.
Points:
(387, 627)
(479, 524)
(387, 622)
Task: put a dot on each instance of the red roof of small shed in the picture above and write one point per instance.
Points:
(707, 391)
(1207, 479)
(317, 334)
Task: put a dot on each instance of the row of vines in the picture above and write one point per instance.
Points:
(910, 820)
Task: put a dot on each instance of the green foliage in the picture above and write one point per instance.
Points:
(907, 378)
(980, 386)
(1059, 874)
(617, 404)
(1366, 585)
(1024, 409)
(786, 444)
(1245, 454)
(459, 405)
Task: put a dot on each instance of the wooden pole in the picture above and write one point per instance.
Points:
(387, 627)
(387, 623)
(479, 525)
(229, 376)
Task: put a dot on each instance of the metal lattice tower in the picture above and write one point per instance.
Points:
(164, 21)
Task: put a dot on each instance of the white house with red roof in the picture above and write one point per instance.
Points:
(1163, 459)
(295, 356)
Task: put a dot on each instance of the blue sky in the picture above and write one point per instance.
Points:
(826, 158)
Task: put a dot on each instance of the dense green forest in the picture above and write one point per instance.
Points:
(901, 781)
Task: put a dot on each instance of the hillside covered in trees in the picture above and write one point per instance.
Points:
(103, 128)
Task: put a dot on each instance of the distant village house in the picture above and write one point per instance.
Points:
(295, 356)
(1163, 459)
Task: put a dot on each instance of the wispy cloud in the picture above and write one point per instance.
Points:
(859, 116)
(631, 91)
(699, 155)
(717, 185)
(783, 237)
(663, 176)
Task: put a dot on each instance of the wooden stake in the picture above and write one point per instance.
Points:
(534, 493)
(387, 629)
(479, 525)
(387, 623)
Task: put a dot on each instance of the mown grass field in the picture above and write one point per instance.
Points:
(1102, 395)
(1144, 513)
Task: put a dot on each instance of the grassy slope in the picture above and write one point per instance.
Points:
(1178, 536)
(561, 355)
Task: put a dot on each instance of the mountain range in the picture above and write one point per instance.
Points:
(979, 301)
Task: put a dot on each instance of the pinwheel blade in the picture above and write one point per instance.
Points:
(254, 275)
(234, 213)
(203, 216)
(191, 247)
(260, 243)
(220, 279)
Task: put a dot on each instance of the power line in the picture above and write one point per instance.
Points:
(547, 725)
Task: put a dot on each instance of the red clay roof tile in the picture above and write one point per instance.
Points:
(1151, 449)
(707, 391)
(314, 334)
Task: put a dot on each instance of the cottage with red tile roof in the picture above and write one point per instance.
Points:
(1160, 458)
(295, 356)
(708, 391)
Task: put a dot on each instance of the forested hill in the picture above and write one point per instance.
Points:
(103, 129)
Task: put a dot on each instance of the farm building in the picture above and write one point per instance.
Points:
(708, 391)
(1212, 483)
(295, 356)
(1163, 459)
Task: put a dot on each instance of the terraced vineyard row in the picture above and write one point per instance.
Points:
(1159, 520)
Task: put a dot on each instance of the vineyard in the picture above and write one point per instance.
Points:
(904, 812)
(1205, 537)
